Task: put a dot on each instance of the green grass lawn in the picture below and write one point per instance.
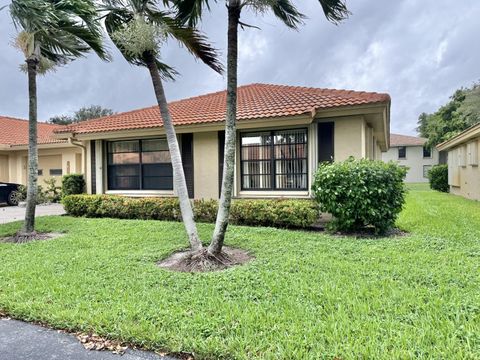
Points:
(305, 296)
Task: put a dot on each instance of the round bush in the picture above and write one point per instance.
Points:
(438, 178)
(73, 184)
(360, 194)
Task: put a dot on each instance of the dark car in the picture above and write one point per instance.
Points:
(8, 193)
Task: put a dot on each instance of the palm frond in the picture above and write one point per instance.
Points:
(335, 10)
(195, 42)
(118, 19)
(63, 30)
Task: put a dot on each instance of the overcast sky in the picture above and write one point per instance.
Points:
(417, 51)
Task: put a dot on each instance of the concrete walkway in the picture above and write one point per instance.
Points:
(23, 341)
(15, 213)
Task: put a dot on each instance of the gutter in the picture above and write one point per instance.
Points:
(73, 142)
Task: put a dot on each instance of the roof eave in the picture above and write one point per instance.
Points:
(468, 134)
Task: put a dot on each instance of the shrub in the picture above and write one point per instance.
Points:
(41, 195)
(438, 178)
(360, 193)
(275, 213)
(73, 184)
(52, 192)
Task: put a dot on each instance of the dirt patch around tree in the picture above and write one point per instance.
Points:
(25, 238)
(202, 261)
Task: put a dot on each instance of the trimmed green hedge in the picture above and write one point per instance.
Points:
(360, 193)
(438, 178)
(275, 213)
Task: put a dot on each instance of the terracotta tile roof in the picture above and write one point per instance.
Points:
(405, 140)
(254, 101)
(14, 132)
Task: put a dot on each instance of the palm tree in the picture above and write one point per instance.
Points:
(138, 28)
(51, 33)
(190, 11)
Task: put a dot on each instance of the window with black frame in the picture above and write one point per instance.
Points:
(139, 165)
(274, 160)
(427, 152)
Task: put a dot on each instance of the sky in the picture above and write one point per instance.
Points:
(419, 52)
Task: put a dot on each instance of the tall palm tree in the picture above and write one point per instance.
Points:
(138, 28)
(190, 11)
(51, 33)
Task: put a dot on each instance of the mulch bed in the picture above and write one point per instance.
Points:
(186, 261)
(22, 239)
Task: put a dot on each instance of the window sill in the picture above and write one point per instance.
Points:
(141, 193)
(273, 194)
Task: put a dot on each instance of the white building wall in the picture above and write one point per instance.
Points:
(414, 161)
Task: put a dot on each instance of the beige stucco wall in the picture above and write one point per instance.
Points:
(352, 137)
(65, 158)
(414, 161)
(464, 172)
(205, 165)
(349, 138)
(4, 169)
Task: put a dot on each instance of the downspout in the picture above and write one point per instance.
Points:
(71, 141)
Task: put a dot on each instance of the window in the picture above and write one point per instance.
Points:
(426, 169)
(40, 172)
(427, 152)
(55, 172)
(402, 152)
(274, 160)
(139, 165)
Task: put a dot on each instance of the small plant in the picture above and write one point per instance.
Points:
(438, 178)
(22, 194)
(52, 193)
(73, 184)
(360, 194)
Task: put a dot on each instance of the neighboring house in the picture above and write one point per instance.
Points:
(55, 157)
(410, 151)
(283, 133)
(463, 160)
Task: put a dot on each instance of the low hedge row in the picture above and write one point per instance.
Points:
(275, 213)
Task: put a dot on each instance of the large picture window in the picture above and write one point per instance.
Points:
(274, 160)
(139, 165)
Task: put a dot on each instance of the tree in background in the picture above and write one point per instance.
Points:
(51, 33)
(139, 29)
(84, 113)
(461, 112)
(191, 11)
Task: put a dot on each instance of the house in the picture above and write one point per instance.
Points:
(411, 152)
(56, 157)
(463, 156)
(283, 133)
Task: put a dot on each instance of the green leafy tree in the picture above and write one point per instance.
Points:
(191, 11)
(461, 112)
(82, 114)
(51, 33)
(139, 28)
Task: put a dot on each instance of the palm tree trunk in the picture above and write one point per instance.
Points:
(29, 224)
(223, 214)
(178, 173)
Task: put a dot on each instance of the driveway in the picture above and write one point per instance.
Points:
(24, 341)
(15, 213)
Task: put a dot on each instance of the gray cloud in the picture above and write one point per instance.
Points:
(418, 52)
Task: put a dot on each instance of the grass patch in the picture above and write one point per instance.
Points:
(305, 295)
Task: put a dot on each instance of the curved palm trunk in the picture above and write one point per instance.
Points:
(178, 173)
(230, 130)
(29, 224)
